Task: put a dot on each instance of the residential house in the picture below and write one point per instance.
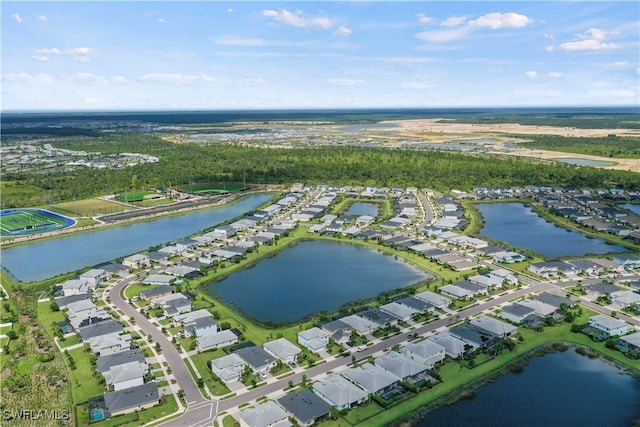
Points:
(228, 368)
(455, 291)
(609, 326)
(201, 327)
(474, 336)
(417, 305)
(425, 352)
(549, 269)
(95, 276)
(127, 375)
(629, 344)
(217, 340)
(264, 415)
(403, 367)
(625, 298)
(313, 339)
(105, 345)
(155, 292)
(398, 311)
(372, 378)
(104, 363)
(494, 326)
(132, 399)
(434, 299)
(339, 331)
(360, 324)
(257, 359)
(137, 261)
(454, 347)
(283, 349)
(339, 392)
(158, 280)
(554, 300)
(516, 312)
(504, 276)
(628, 261)
(305, 407)
(378, 317)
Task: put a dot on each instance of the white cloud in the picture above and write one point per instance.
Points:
(161, 20)
(177, 79)
(532, 74)
(638, 71)
(343, 31)
(54, 51)
(622, 93)
(444, 35)
(86, 79)
(619, 65)
(592, 39)
(41, 58)
(555, 74)
(27, 78)
(239, 41)
(78, 54)
(345, 82)
(403, 59)
(297, 19)
(424, 19)
(453, 21)
(118, 80)
(230, 10)
(497, 20)
(17, 17)
(43, 18)
(92, 101)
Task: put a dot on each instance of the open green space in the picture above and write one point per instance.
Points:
(86, 207)
(216, 386)
(611, 146)
(212, 188)
(135, 196)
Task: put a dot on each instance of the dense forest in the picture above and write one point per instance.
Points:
(184, 163)
(626, 147)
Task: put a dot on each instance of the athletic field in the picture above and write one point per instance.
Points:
(23, 222)
(210, 189)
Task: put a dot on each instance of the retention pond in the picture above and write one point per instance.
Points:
(311, 277)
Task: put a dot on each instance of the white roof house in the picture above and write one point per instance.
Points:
(362, 326)
(435, 299)
(495, 326)
(283, 349)
(454, 347)
(339, 392)
(264, 415)
(402, 312)
(372, 378)
(314, 339)
(426, 352)
(609, 325)
(229, 368)
(127, 375)
(401, 365)
(216, 340)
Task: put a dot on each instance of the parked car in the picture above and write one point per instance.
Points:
(362, 347)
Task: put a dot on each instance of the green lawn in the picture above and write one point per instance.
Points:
(455, 375)
(134, 289)
(83, 383)
(216, 386)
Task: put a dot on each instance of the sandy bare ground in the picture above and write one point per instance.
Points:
(420, 126)
(432, 131)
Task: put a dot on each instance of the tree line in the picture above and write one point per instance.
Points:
(341, 165)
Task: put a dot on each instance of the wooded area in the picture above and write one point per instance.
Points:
(343, 165)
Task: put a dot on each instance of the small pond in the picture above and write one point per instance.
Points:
(584, 162)
(311, 277)
(363, 208)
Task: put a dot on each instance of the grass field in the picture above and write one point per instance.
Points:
(18, 222)
(213, 188)
(86, 207)
(136, 196)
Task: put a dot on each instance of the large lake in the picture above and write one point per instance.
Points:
(41, 260)
(520, 226)
(559, 389)
(311, 277)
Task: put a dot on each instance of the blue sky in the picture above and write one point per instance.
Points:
(122, 55)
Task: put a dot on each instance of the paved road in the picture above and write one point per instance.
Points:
(200, 414)
(169, 352)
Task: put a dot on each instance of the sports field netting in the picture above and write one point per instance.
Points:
(20, 222)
